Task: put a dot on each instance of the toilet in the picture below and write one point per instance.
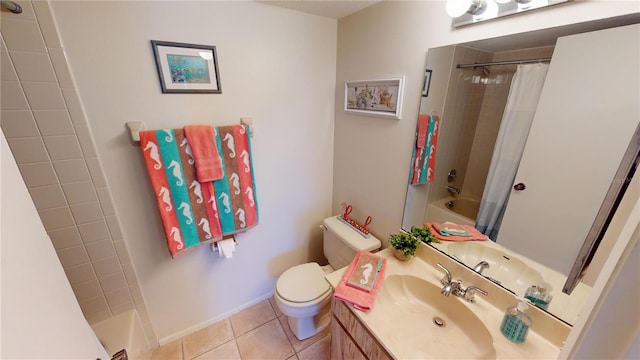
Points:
(303, 294)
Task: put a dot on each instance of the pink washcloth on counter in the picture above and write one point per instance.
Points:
(475, 234)
(202, 140)
(360, 299)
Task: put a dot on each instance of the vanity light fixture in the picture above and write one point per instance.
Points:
(464, 12)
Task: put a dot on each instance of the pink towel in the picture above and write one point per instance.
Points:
(423, 128)
(359, 299)
(202, 140)
(475, 234)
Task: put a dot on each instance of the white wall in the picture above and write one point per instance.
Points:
(41, 318)
(372, 155)
(278, 67)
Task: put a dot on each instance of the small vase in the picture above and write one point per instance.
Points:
(399, 254)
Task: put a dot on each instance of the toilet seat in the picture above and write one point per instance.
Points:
(303, 284)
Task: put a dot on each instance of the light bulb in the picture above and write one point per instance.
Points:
(457, 8)
(489, 11)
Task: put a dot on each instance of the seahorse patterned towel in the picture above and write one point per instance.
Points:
(195, 213)
(423, 159)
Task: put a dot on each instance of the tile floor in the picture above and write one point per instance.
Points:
(259, 332)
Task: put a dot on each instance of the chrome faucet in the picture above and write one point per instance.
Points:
(481, 266)
(453, 190)
(455, 287)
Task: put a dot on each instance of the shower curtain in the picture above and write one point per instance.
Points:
(514, 129)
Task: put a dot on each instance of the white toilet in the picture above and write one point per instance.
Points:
(303, 294)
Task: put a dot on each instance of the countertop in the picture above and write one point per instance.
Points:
(411, 340)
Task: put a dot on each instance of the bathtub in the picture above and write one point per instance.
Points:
(463, 211)
(123, 331)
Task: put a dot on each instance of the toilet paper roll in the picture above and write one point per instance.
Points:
(226, 247)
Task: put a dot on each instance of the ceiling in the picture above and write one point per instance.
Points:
(327, 8)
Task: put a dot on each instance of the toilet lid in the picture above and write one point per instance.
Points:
(302, 283)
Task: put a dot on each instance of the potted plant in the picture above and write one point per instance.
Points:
(405, 245)
(424, 234)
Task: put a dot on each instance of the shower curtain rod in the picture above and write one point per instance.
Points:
(509, 62)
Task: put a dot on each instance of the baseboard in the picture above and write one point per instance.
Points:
(167, 339)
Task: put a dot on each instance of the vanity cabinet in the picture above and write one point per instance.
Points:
(350, 339)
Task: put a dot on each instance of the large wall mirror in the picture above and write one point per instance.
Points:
(471, 89)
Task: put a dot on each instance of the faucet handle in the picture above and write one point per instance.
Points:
(470, 292)
(447, 275)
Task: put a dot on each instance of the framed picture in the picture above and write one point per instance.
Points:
(187, 68)
(426, 83)
(381, 97)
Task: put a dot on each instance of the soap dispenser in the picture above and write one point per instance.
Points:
(539, 295)
(516, 323)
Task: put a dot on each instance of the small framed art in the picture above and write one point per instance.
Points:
(381, 97)
(427, 83)
(187, 68)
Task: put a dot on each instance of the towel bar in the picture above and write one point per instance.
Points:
(136, 126)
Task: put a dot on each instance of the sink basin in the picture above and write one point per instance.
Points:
(511, 272)
(448, 329)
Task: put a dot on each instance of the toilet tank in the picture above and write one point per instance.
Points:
(342, 242)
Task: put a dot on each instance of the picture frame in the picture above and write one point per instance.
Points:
(187, 68)
(426, 83)
(378, 97)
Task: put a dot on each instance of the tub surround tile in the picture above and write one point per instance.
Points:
(79, 192)
(97, 316)
(54, 122)
(87, 212)
(38, 174)
(63, 147)
(206, 339)
(123, 253)
(26, 15)
(73, 256)
(118, 298)
(28, 150)
(71, 171)
(112, 282)
(106, 266)
(266, 342)
(95, 170)
(34, 67)
(86, 141)
(87, 289)
(75, 106)
(94, 305)
(252, 317)
(46, 197)
(7, 72)
(65, 238)
(80, 273)
(47, 24)
(56, 218)
(12, 97)
(61, 68)
(22, 35)
(120, 308)
(18, 123)
(43, 96)
(100, 250)
(93, 232)
(105, 201)
(114, 227)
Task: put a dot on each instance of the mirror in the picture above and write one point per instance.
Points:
(470, 102)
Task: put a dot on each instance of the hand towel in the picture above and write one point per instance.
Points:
(449, 228)
(431, 162)
(357, 298)
(365, 273)
(205, 152)
(475, 234)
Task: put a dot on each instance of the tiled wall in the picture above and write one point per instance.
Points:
(45, 125)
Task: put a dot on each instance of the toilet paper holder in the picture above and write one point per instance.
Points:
(214, 246)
